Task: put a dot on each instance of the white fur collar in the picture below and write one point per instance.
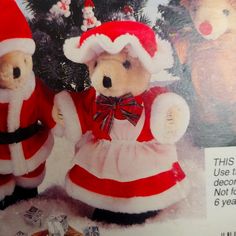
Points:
(7, 95)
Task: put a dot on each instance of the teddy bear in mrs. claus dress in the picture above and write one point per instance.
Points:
(125, 128)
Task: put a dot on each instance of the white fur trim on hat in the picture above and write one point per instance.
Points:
(26, 45)
(167, 129)
(163, 78)
(96, 44)
(129, 205)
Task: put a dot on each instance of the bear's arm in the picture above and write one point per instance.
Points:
(170, 117)
(74, 109)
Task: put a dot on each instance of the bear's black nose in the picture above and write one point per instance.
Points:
(16, 72)
(107, 83)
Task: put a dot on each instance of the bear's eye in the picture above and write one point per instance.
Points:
(25, 60)
(226, 12)
(127, 64)
(95, 64)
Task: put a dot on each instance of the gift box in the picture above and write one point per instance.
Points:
(33, 216)
(58, 226)
(91, 231)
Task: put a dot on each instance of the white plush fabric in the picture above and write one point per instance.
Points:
(7, 189)
(26, 45)
(124, 160)
(18, 165)
(16, 99)
(129, 205)
(169, 132)
(170, 221)
(72, 129)
(23, 93)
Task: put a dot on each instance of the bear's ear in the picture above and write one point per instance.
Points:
(185, 3)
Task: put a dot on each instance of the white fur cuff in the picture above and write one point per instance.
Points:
(26, 45)
(72, 129)
(169, 118)
(7, 189)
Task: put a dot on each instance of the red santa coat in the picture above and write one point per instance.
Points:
(127, 170)
(24, 161)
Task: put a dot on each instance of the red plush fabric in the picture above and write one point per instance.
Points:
(38, 171)
(13, 23)
(4, 179)
(37, 107)
(115, 29)
(86, 109)
(148, 99)
(138, 188)
(89, 3)
(107, 176)
(3, 121)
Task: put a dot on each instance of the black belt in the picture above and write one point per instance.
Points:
(20, 134)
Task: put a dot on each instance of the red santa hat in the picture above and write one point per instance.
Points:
(89, 3)
(112, 37)
(15, 32)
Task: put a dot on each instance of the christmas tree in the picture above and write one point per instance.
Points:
(176, 24)
(174, 21)
(56, 20)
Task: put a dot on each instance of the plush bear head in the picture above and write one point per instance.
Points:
(122, 56)
(212, 18)
(15, 68)
(118, 74)
(16, 48)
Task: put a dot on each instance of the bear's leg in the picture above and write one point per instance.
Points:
(27, 185)
(122, 218)
(7, 185)
(6, 202)
(21, 193)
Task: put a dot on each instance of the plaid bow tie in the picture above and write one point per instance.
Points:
(124, 107)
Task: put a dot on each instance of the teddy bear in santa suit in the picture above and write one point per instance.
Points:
(125, 127)
(26, 111)
(90, 21)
